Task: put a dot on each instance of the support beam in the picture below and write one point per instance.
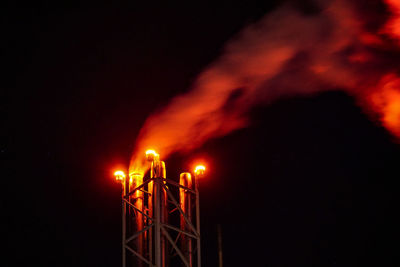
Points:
(175, 247)
(138, 233)
(181, 211)
(139, 256)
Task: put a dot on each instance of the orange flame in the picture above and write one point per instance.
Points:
(199, 170)
(151, 152)
(119, 175)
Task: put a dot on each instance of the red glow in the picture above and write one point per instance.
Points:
(393, 25)
(136, 180)
(284, 54)
(186, 206)
(360, 57)
(151, 153)
(119, 175)
(199, 170)
(386, 102)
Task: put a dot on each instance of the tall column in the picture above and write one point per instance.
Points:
(136, 199)
(186, 206)
(198, 220)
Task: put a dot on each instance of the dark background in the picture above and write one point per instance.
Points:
(313, 182)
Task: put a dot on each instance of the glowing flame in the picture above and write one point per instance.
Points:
(199, 170)
(151, 154)
(119, 175)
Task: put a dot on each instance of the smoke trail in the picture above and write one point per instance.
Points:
(393, 25)
(286, 53)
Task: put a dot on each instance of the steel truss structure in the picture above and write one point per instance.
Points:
(157, 229)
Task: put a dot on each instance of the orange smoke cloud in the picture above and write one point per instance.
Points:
(286, 53)
(393, 25)
(385, 101)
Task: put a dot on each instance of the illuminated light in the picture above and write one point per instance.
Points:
(136, 174)
(151, 154)
(199, 170)
(185, 179)
(119, 175)
(136, 179)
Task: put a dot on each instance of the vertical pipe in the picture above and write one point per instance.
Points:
(125, 216)
(185, 179)
(155, 173)
(164, 213)
(189, 239)
(150, 188)
(123, 231)
(198, 221)
(128, 222)
(136, 179)
(157, 226)
(219, 245)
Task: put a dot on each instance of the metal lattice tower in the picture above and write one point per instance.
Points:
(157, 229)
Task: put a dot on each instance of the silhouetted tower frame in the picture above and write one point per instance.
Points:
(157, 234)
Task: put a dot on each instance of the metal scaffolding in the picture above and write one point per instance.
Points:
(157, 229)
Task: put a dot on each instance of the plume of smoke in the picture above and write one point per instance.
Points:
(392, 27)
(286, 53)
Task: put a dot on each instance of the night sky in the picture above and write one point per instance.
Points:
(312, 182)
